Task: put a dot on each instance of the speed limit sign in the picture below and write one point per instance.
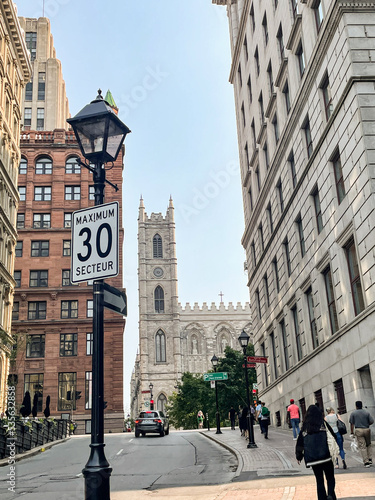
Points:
(95, 241)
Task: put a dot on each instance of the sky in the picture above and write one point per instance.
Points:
(167, 65)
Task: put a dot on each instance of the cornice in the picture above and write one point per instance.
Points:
(262, 131)
(294, 32)
(282, 70)
(271, 104)
(239, 42)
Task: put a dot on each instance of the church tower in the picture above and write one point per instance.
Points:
(159, 338)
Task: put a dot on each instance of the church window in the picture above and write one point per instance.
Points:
(159, 299)
(162, 403)
(160, 347)
(157, 244)
(194, 345)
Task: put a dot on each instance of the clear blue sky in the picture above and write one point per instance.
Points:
(167, 65)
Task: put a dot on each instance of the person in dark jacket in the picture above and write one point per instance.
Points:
(312, 446)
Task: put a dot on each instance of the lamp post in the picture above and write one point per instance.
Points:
(243, 339)
(151, 386)
(214, 361)
(100, 135)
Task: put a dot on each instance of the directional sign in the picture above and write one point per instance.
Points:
(249, 365)
(215, 376)
(115, 299)
(255, 386)
(95, 241)
(257, 359)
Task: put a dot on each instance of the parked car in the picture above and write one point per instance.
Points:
(151, 421)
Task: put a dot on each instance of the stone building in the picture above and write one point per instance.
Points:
(303, 74)
(173, 339)
(15, 72)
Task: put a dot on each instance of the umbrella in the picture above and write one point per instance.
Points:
(47, 411)
(25, 409)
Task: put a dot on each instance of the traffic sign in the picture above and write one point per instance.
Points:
(255, 385)
(215, 376)
(257, 359)
(249, 365)
(114, 299)
(95, 242)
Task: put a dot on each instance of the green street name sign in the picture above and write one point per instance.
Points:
(215, 376)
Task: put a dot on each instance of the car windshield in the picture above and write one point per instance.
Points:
(148, 414)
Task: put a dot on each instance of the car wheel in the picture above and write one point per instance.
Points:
(137, 434)
(162, 433)
(167, 431)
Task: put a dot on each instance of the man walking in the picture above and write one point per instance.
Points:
(361, 420)
(294, 418)
(232, 417)
(258, 414)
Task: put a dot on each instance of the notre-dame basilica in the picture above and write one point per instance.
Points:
(173, 338)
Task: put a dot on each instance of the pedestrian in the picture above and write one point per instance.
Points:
(265, 419)
(244, 419)
(332, 419)
(361, 420)
(258, 411)
(239, 416)
(313, 445)
(232, 418)
(294, 417)
(200, 418)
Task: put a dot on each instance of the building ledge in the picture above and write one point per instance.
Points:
(262, 131)
(270, 105)
(281, 72)
(296, 28)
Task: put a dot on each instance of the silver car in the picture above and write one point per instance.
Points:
(151, 421)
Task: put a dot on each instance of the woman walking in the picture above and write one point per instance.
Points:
(332, 419)
(312, 445)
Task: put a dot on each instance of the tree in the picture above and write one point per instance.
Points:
(25, 409)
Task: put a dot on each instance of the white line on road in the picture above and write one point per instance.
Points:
(288, 493)
(119, 452)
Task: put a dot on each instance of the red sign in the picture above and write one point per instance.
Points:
(257, 359)
(145, 392)
(250, 365)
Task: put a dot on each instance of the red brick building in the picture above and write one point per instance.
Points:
(52, 319)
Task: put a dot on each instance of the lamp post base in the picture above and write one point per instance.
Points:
(97, 473)
(252, 445)
(218, 431)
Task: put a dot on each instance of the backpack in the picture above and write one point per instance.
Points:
(265, 411)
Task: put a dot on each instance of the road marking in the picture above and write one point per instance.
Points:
(130, 440)
(118, 453)
(288, 493)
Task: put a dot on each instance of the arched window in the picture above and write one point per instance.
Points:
(157, 245)
(71, 166)
(159, 299)
(162, 403)
(160, 347)
(23, 166)
(43, 165)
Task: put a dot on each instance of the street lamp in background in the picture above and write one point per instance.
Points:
(214, 361)
(243, 339)
(151, 386)
(100, 135)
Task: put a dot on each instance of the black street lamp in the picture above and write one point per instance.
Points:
(243, 339)
(151, 386)
(214, 361)
(100, 135)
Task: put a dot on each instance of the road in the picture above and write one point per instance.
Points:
(182, 458)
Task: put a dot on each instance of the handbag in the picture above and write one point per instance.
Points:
(333, 447)
(341, 427)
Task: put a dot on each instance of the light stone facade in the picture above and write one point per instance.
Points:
(304, 83)
(15, 71)
(173, 338)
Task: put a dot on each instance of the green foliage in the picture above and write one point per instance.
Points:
(193, 394)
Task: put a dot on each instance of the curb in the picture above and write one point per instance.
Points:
(229, 448)
(32, 452)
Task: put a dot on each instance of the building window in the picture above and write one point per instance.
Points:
(89, 343)
(327, 273)
(66, 248)
(354, 276)
(269, 217)
(261, 238)
(35, 345)
(266, 290)
(247, 156)
(40, 118)
(33, 383)
(318, 211)
(72, 192)
(265, 374)
(16, 311)
(42, 193)
(88, 390)
(279, 188)
(301, 235)
(285, 344)
(341, 404)
(252, 18)
(41, 221)
(39, 248)
(253, 134)
(249, 90)
(30, 39)
(19, 248)
(270, 79)
(17, 278)
(67, 219)
(292, 169)
(297, 333)
(253, 254)
(22, 169)
(265, 29)
(41, 86)
(309, 144)
(327, 97)
(266, 155)
(69, 309)
(280, 42)
(301, 59)
(239, 76)
(287, 256)
(273, 351)
(89, 308)
(22, 192)
(257, 299)
(160, 347)
(66, 277)
(27, 117)
(318, 12)
(243, 115)
(245, 49)
(251, 199)
(313, 327)
(71, 166)
(257, 176)
(43, 166)
(67, 388)
(256, 57)
(294, 4)
(68, 344)
(20, 221)
(91, 192)
(38, 278)
(276, 272)
(157, 245)
(29, 91)
(339, 178)
(319, 399)
(159, 299)
(261, 107)
(286, 96)
(276, 128)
